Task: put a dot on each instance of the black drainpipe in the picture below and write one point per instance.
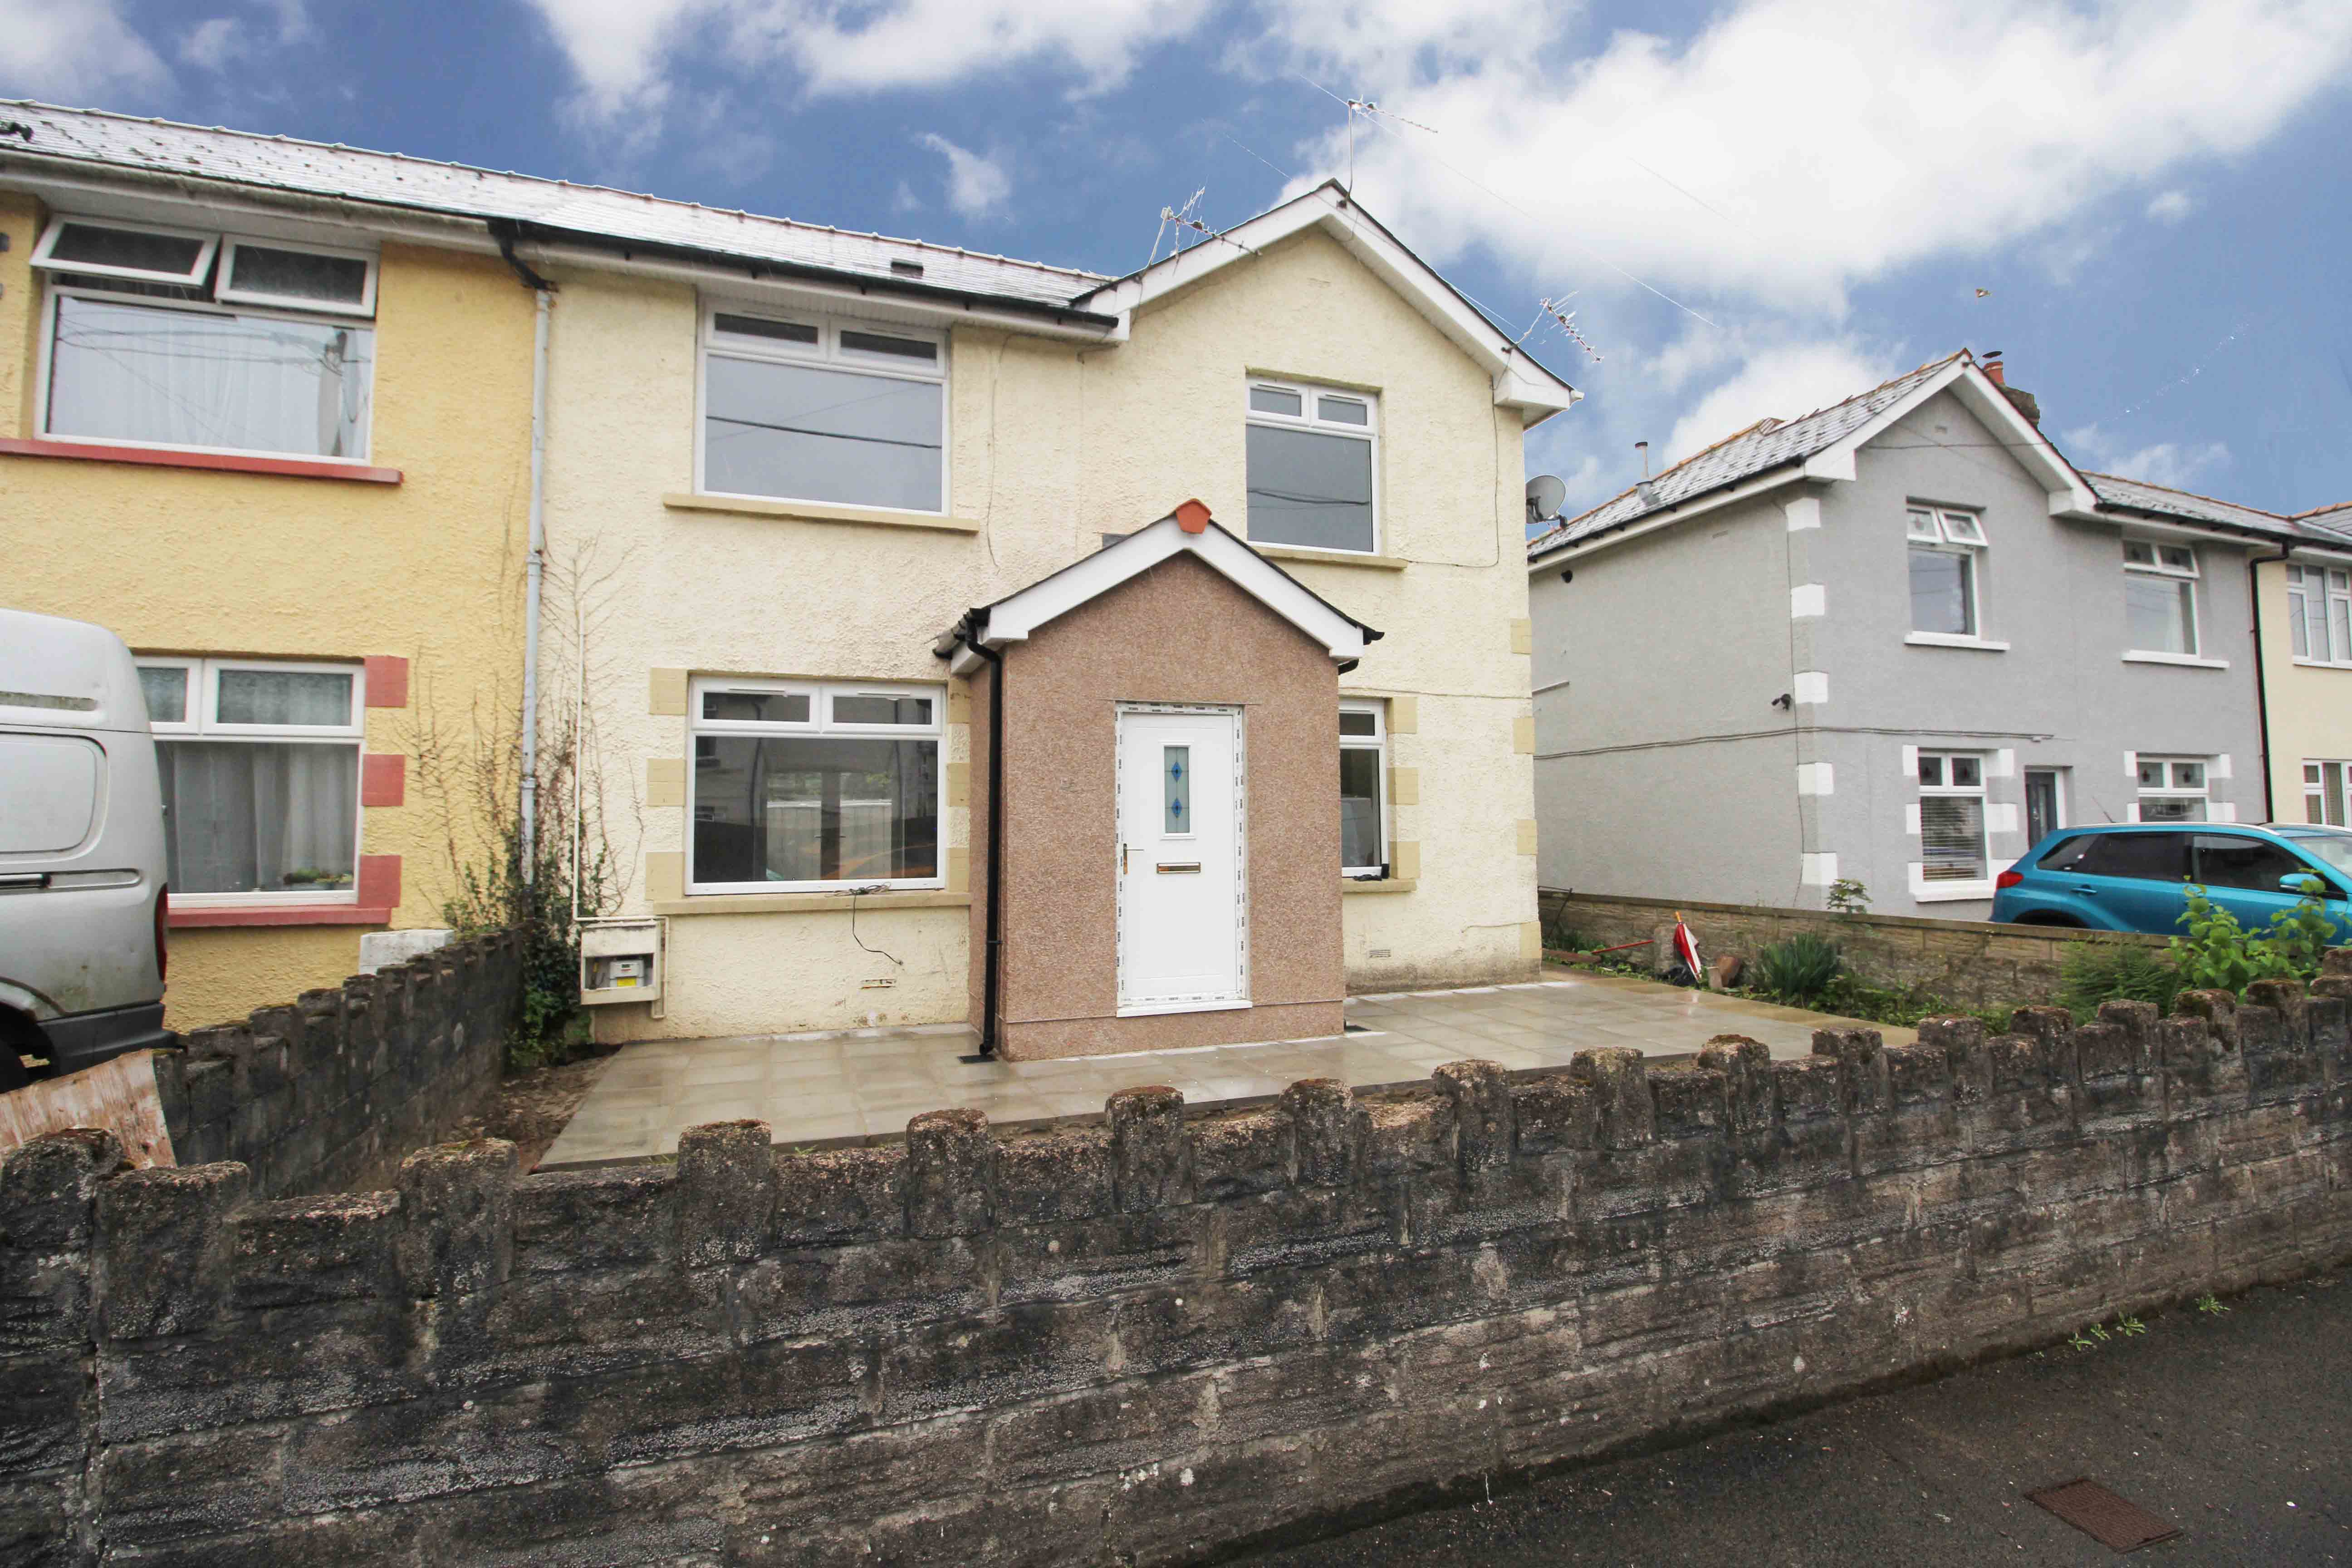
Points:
(968, 633)
(2261, 684)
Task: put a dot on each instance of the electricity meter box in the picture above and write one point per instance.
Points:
(620, 961)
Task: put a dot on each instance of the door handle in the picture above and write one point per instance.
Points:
(2086, 888)
(1122, 859)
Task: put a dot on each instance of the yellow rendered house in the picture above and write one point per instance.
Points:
(277, 440)
(2306, 643)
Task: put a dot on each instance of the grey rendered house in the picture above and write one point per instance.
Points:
(1891, 643)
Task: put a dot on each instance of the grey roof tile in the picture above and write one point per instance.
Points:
(93, 137)
(1764, 446)
(2138, 495)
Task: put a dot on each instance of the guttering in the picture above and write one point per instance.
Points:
(1674, 511)
(969, 633)
(534, 570)
(628, 251)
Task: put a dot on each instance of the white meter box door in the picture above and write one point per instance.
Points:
(620, 961)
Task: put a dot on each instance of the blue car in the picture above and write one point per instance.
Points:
(2135, 878)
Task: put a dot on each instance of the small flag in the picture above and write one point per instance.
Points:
(1686, 948)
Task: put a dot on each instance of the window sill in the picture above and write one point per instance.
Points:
(816, 511)
(281, 915)
(1348, 886)
(1952, 892)
(215, 462)
(1332, 557)
(2186, 661)
(2321, 664)
(805, 903)
(1945, 639)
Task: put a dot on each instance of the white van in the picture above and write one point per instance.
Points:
(82, 898)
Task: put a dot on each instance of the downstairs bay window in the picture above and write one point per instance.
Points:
(260, 770)
(810, 786)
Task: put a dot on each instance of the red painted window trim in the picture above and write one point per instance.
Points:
(220, 462)
(387, 681)
(282, 915)
(383, 779)
(379, 892)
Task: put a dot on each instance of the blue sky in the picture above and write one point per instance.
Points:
(1752, 208)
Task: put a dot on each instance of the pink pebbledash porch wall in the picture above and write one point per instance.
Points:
(1177, 633)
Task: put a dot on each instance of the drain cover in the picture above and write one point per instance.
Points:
(2113, 1523)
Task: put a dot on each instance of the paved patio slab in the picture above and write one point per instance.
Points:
(849, 1086)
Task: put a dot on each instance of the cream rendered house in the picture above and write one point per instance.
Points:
(823, 491)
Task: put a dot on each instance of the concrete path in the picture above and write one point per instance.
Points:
(851, 1085)
(2235, 1430)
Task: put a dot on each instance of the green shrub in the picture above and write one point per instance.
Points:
(2220, 954)
(1799, 971)
(2094, 971)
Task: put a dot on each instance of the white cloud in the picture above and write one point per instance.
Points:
(623, 50)
(214, 43)
(977, 187)
(72, 51)
(2172, 464)
(1796, 147)
(2171, 206)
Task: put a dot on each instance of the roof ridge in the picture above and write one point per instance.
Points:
(2192, 495)
(478, 168)
(2319, 510)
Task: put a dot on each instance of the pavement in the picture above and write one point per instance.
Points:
(2232, 1428)
(852, 1086)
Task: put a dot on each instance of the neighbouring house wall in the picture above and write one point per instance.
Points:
(2061, 694)
(1149, 1341)
(1661, 762)
(329, 1093)
(427, 573)
(2310, 703)
(1966, 963)
(1052, 445)
(1142, 642)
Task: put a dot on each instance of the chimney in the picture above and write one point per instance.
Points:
(2025, 402)
(1644, 448)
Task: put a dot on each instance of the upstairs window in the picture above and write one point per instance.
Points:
(207, 341)
(1952, 817)
(2173, 789)
(807, 785)
(1947, 550)
(260, 769)
(811, 408)
(1363, 789)
(2319, 612)
(1312, 466)
(2160, 597)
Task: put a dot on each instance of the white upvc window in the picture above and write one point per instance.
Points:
(2319, 610)
(809, 407)
(1313, 460)
(810, 786)
(1363, 789)
(2174, 789)
(205, 343)
(1952, 846)
(2324, 791)
(259, 760)
(2160, 597)
(1947, 550)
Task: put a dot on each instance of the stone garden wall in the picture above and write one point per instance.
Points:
(1968, 963)
(1141, 1341)
(329, 1093)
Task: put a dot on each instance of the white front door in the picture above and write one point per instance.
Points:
(1183, 939)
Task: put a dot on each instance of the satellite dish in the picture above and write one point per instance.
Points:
(1544, 494)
